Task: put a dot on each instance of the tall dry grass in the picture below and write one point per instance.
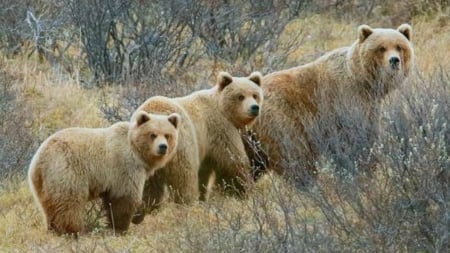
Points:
(37, 100)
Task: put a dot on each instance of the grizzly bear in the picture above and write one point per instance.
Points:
(77, 165)
(210, 143)
(302, 102)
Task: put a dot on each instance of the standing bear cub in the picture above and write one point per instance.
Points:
(76, 165)
(357, 77)
(210, 140)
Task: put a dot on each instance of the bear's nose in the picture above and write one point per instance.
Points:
(254, 110)
(394, 61)
(162, 149)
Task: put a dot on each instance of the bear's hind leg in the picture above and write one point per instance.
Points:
(206, 181)
(64, 217)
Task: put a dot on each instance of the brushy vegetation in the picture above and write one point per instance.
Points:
(49, 80)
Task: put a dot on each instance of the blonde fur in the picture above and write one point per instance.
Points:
(76, 165)
(361, 72)
(209, 139)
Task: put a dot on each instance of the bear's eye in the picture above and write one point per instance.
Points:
(167, 136)
(399, 48)
(241, 97)
(382, 49)
(153, 136)
(255, 96)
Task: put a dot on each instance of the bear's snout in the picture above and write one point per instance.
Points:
(254, 110)
(394, 61)
(162, 149)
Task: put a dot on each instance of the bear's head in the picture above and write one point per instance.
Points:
(383, 56)
(240, 98)
(154, 137)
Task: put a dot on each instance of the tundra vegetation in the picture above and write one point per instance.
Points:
(92, 63)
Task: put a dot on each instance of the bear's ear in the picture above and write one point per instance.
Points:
(256, 77)
(223, 80)
(174, 118)
(364, 31)
(141, 118)
(406, 30)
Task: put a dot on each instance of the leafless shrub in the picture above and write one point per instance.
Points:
(259, 160)
(33, 26)
(97, 21)
(232, 30)
(271, 221)
(38, 29)
(404, 203)
(140, 39)
(130, 38)
(12, 14)
(137, 40)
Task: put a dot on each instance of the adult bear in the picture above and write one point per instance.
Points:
(306, 106)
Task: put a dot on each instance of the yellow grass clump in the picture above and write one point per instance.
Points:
(57, 100)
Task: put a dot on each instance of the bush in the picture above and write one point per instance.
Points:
(404, 203)
(235, 30)
(123, 39)
(138, 39)
(30, 27)
(401, 206)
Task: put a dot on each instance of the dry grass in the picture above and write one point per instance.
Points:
(320, 34)
(57, 99)
(274, 218)
(173, 229)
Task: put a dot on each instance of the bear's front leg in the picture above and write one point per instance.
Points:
(120, 211)
(152, 197)
(233, 171)
(181, 176)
